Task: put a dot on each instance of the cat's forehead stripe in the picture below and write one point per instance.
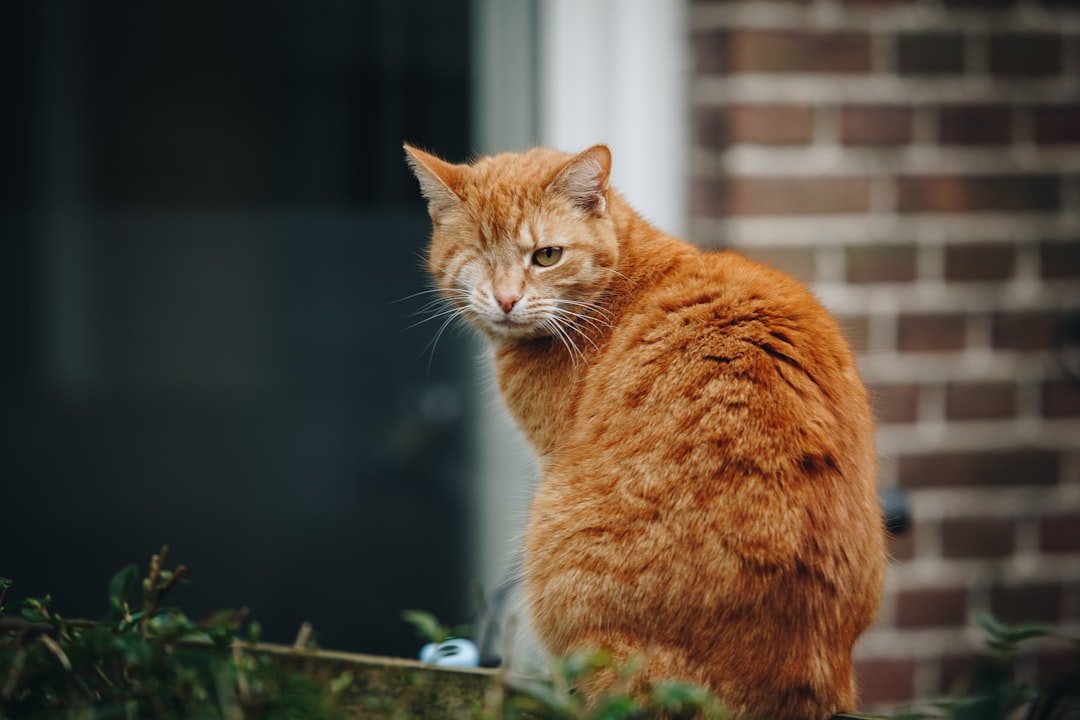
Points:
(514, 224)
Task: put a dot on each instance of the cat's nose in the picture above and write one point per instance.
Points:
(507, 301)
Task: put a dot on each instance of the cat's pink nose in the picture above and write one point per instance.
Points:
(507, 301)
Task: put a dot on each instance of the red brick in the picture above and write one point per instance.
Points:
(981, 4)
(708, 50)
(1027, 603)
(975, 125)
(707, 197)
(929, 53)
(883, 681)
(782, 51)
(876, 124)
(896, 403)
(979, 262)
(1020, 330)
(1026, 55)
(719, 127)
(931, 332)
(880, 263)
(1057, 124)
(972, 193)
(955, 677)
(1061, 398)
(977, 537)
(1060, 260)
(1052, 665)
(980, 400)
(902, 547)
(796, 261)
(991, 468)
(710, 130)
(788, 195)
(930, 608)
(1060, 533)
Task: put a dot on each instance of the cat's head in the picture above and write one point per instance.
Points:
(523, 244)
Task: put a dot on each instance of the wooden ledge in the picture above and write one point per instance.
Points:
(385, 687)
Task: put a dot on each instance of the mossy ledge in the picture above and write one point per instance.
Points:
(385, 687)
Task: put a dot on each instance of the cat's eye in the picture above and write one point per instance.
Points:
(546, 257)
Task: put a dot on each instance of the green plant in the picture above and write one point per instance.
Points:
(557, 698)
(994, 691)
(430, 629)
(4, 585)
(145, 660)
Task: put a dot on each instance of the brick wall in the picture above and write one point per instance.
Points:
(918, 163)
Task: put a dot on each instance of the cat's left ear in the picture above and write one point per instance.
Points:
(585, 179)
(439, 180)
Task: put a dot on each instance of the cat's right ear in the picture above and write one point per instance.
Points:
(438, 180)
(585, 179)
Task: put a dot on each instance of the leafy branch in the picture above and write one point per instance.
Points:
(145, 660)
(995, 692)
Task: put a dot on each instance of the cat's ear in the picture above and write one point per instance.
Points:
(439, 180)
(585, 179)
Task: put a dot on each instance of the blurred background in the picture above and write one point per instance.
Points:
(209, 233)
(207, 225)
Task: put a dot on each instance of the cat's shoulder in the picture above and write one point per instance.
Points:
(710, 296)
(730, 278)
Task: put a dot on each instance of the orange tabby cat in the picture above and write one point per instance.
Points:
(707, 500)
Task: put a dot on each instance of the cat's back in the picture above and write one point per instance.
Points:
(723, 375)
(716, 492)
(719, 329)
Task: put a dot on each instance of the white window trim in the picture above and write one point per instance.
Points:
(614, 71)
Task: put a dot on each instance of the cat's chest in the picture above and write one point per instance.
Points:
(541, 388)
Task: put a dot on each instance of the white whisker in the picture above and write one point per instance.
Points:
(613, 271)
(584, 334)
(594, 323)
(559, 332)
(594, 315)
(589, 305)
(449, 312)
(429, 291)
(435, 340)
(438, 303)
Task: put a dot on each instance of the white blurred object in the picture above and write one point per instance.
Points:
(457, 652)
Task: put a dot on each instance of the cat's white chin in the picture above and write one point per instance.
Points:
(508, 328)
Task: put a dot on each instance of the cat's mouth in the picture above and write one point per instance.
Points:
(510, 326)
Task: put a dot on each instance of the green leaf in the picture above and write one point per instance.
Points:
(222, 628)
(616, 708)
(32, 614)
(36, 609)
(1021, 633)
(341, 682)
(427, 627)
(460, 631)
(581, 663)
(121, 585)
(4, 585)
(540, 695)
(990, 624)
(677, 696)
